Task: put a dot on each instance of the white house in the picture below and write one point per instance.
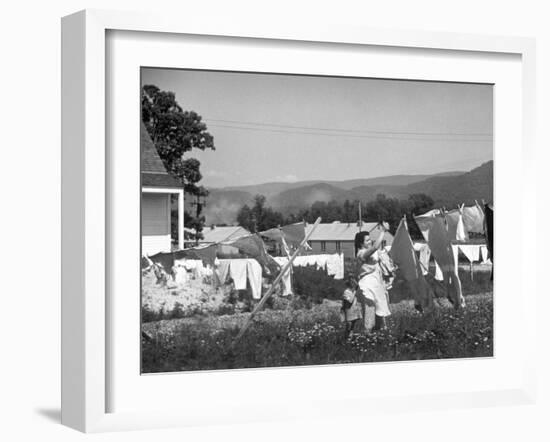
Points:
(156, 188)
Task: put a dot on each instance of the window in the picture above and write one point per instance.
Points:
(323, 246)
(338, 246)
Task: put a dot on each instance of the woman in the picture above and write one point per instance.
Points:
(373, 293)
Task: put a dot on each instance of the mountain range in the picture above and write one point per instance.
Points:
(446, 189)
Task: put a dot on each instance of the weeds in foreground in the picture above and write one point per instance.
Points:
(313, 337)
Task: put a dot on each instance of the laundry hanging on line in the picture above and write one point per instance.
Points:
(455, 226)
(474, 219)
(287, 277)
(484, 254)
(408, 267)
(241, 271)
(489, 214)
(435, 232)
(253, 247)
(470, 251)
(424, 254)
(254, 275)
(332, 263)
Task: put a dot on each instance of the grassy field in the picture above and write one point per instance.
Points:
(313, 336)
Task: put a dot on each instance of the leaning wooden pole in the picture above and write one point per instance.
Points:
(275, 282)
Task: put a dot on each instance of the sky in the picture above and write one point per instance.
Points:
(273, 127)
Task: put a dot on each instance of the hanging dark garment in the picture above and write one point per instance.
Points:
(435, 233)
(206, 254)
(408, 268)
(252, 246)
(166, 260)
(489, 233)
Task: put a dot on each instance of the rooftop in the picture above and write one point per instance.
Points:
(153, 172)
(225, 233)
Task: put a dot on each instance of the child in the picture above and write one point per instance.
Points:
(351, 309)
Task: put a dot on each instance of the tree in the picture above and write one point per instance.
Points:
(259, 217)
(420, 203)
(385, 209)
(175, 132)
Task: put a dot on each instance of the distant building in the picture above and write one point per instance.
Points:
(156, 188)
(216, 234)
(338, 237)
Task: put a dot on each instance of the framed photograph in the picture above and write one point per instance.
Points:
(260, 219)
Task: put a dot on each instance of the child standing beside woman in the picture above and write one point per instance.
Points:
(351, 309)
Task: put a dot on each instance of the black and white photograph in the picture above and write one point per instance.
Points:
(300, 220)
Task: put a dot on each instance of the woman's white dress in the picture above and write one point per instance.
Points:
(372, 284)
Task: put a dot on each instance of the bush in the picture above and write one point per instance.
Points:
(312, 285)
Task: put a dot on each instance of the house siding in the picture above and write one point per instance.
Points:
(346, 247)
(155, 223)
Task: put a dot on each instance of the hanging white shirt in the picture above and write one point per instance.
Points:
(471, 251)
(237, 271)
(254, 274)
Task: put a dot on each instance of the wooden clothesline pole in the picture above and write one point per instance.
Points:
(274, 285)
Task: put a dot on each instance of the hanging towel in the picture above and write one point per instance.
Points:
(237, 271)
(473, 219)
(321, 261)
(287, 284)
(341, 269)
(223, 269)
(470, 251)
(333, 265)
(254, 273)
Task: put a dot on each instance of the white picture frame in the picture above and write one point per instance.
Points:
(86, 217)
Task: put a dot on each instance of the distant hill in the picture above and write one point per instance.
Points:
(269, 189)
(293, 200)
(465, 188)
(447, 189)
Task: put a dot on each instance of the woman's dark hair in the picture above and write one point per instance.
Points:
(359, 240)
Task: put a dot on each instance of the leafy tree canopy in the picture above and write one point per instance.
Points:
(259, 217)
(175, 132)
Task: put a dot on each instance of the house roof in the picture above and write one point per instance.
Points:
(225, 233)
(153, 172)
(338, 231)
